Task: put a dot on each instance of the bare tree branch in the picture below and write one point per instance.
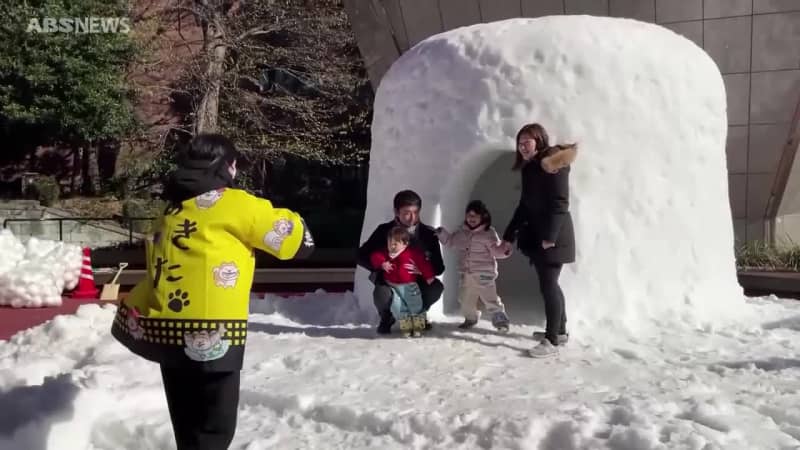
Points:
(255, 32)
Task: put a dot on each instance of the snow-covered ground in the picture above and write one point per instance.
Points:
(317, 376)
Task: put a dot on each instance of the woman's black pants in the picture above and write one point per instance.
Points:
(202, 406)
(554, 310)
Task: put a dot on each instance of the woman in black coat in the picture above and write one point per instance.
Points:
(542, 225)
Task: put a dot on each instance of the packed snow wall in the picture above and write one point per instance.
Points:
(649, 192)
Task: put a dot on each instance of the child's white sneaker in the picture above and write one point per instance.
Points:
(543, 350)
(562, 338)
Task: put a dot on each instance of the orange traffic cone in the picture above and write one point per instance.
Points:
(86, 288)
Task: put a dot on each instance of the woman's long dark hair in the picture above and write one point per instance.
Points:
(543, 146)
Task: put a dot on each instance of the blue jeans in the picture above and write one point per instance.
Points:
(406, 300)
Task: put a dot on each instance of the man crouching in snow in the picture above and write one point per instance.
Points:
(407, 205)
(189, 313)
(394, 262)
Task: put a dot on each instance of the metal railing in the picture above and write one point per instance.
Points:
(127, 222)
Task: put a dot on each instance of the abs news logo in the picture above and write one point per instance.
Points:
(79, 25)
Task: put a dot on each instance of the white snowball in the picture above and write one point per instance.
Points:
(35, 274)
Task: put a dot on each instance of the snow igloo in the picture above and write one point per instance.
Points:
(649, 189)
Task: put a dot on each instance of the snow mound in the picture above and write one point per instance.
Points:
(649, 190)
(36, 273)
(314, 308)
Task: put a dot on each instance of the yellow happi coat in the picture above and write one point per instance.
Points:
(191, 309)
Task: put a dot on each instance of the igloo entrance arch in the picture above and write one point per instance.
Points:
(649, 189)
(489, 178)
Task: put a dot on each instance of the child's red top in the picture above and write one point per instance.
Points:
(399, 274)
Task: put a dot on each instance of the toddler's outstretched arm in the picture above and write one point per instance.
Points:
(445, 237)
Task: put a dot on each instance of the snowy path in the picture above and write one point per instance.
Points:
(313, 386)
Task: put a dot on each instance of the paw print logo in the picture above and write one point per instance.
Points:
(177, 300)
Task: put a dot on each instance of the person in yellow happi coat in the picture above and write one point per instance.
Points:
(189, 314)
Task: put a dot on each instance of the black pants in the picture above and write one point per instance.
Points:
(554, 310)
(382, 296)
(202, 407)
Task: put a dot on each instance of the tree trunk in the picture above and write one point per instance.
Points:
(216, 51)
(77, 170)
(91, 178)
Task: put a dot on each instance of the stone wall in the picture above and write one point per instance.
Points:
(36, 224)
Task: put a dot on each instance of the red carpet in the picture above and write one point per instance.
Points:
(14, 320)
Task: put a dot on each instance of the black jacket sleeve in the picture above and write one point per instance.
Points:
(307, 246)
(432, 247)
(510, 234)
(376, 241)
(557, 203)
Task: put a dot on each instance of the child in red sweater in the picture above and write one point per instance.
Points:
(394, 260)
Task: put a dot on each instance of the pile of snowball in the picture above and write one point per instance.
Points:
(35, 274)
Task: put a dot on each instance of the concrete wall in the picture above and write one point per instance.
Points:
(91, 234)
(785, 229)
(756, 44)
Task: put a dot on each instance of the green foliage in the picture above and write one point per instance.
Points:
(143, 174)
(791, 257)
(120, 186)
(760, 255)
(45, 189)
(71, 83)
(135, 209)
